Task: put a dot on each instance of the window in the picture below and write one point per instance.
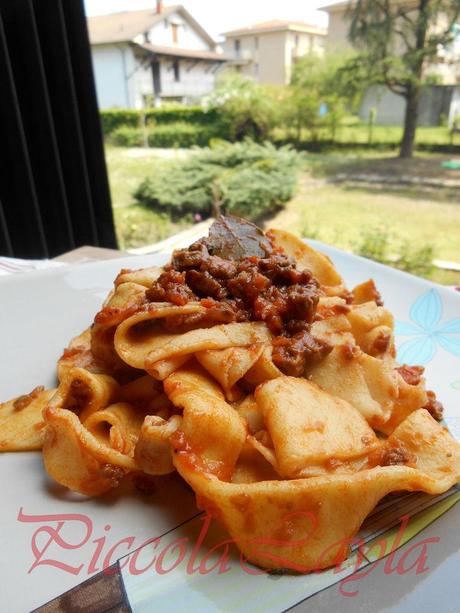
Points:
(256, 70)
(256, 43)
(176, 69)
(237, 47)
(296, 40)
(175, 33)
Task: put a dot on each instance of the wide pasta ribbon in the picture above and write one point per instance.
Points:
(21, 422)
(308, 523)
(92, 432)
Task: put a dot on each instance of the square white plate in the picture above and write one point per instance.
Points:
(39, 313)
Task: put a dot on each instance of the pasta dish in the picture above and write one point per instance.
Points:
(246, 365)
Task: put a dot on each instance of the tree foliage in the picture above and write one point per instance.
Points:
(245, 107)
(319, 95)
(398, 41)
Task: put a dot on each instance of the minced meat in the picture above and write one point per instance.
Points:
(433, 406)
(394, 456)
(266, 287)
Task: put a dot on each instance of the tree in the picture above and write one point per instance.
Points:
(318, 95)
(398, 40)
(245, 107)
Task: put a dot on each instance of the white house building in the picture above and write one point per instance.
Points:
(142, 58)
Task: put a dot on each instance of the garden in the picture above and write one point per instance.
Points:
(294, 157)
(404, 225)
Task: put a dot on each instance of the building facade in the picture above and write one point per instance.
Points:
(144, 58)
(268, 51)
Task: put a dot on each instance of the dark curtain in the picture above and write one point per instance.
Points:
(54, 192)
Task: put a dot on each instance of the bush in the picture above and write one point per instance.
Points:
(244, 179)
(127, 136)
(243, 109)
(112, 119)
(179, 135)
(179, 188)
(374, 245)
(163, 136)
(115, 118)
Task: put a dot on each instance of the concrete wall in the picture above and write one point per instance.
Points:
(454, 111)
(196, 79)
(434, 102)
(337, 32)
(111, 64)
(143, 81)
(268, 57)
(272, 58)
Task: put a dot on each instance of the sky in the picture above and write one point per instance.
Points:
(218, 16)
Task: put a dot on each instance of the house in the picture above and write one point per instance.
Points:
(267, 51)
(445, 69)
(141, 58)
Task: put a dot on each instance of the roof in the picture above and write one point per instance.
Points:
(331, 8)
(276, 25)
(184, 53)
(126, 25)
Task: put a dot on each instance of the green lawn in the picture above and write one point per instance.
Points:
(342, 214)
(137, 225)
(339, 214)
(426, 135)
(354, 132)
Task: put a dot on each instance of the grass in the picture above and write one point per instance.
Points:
(426, 135)
(339, 214)
(357, 133)
(135, 224)
(342, 214)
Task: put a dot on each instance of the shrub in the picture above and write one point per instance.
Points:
(244, 178)
(179, 135)
(417, 260)
(163, 136)
(112, 119)
(258, 189)
(127, 136)
(374, 245)
(190, 114)
(115, 118)
(179, 188)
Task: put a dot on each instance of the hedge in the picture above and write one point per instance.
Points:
(164, 136)
(116, 118)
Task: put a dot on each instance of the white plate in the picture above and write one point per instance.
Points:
(39, 313)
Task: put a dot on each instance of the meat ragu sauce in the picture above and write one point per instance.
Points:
(264, 287)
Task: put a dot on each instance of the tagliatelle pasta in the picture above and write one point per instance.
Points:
(248, 367)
